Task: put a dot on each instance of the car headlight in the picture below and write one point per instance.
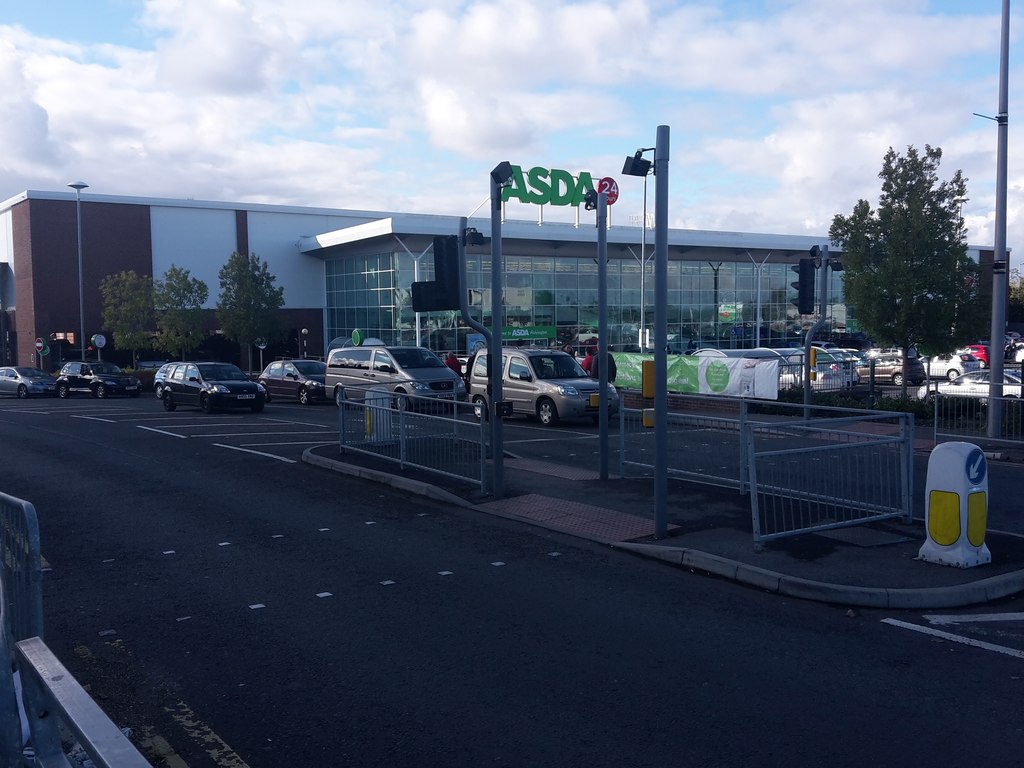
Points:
(565, 389)
(110, 383)
(219, 388)
(262, 390)
(314, 385)
(419, 385)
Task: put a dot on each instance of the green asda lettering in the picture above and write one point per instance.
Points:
(543, 186)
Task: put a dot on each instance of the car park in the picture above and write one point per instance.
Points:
(98, 379)
(892, 369)
(950, 365)
(974, 384)
(301, 380)
(544, 383)
(211, 387)
(22, 381)
(416, 376)
(980, 351)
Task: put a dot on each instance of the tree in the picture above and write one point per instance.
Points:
(249, 305)
(178, 300)
(907, 274)
(128, 310)
(1015, 308)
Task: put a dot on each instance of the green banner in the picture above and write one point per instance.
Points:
(529, 333)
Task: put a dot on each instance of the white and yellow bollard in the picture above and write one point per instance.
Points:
(956, 506)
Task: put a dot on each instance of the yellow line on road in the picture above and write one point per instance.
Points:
(215, 747)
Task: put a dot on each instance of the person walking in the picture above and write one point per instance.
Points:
(588, 361)
(595, 367)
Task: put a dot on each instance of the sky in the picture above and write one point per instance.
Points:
(780, 112)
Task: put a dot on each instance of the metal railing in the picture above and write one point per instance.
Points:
(829, 473)
(964, 417)
(438, 436)
(48, 688)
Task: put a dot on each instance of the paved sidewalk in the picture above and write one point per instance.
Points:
(710, 532)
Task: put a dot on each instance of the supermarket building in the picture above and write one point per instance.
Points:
(343, 270)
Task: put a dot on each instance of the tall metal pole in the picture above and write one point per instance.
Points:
(602, 329)
(494, 347)
(643, 273)
(661, 332)
(999, 260)
(78, 186)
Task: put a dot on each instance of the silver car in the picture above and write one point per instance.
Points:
(546, 383)
(25, 382)
(415, 377)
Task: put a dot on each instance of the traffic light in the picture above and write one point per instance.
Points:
(441, 293)
(804, 286)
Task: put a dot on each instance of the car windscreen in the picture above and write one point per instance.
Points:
(556, 367)
(107, 368)
(415, 357)
(222, 372)
(310, 367)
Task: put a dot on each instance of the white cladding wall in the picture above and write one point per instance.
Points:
(197, 239)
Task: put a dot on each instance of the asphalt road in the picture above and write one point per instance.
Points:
(245, 609)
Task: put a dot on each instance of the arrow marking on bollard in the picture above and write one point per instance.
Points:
(955, 638)
(967, 618)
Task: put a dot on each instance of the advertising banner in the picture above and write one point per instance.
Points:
(728, 376)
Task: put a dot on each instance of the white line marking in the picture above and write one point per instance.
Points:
(293, 442)
(277, 536)
(258, 453)
(161, 431)
(183, 618)
(168, 551)
(323, 594)
(387, 582)
(497, 563)
(95, 418)
(108, 632)
(370, 522)
(321, 530)
(303, 423)
(256, 606)
(255, 434)
(968, 618)
(224, 544)
(956, 638)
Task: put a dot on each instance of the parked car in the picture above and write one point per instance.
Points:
(891, 368)
(415, 371)
(212, 386)
(25, 382)
(99, 379)
(980, 351)
(974, 384)
(546, 383)
(161, 375)
(951, 365)
(301, 380)
(834, 368)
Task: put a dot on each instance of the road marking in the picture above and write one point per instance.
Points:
(967, 618)
(254, 434)
(295, 442)
(161, 431)
(94, 418)
(258, 453)
(256, 606)
(956, 638)
(223, 755)
(302, 423)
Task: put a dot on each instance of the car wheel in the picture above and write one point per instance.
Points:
(547, 412)
(480, 408)
(100, 391)
(205, 404)
(339, 398)
(22, 391)
(897, 379)
(952, 374)
(159, 391)
(63, 391)
(304, 398)
(266, 397)
(169, 404)
(400, 401)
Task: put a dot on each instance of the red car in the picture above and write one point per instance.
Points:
(980, 351)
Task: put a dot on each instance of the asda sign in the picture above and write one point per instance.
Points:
(547, 186)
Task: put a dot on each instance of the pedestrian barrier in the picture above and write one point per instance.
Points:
(48, 687)
(829, 472)
(965, 417)
(442, 437)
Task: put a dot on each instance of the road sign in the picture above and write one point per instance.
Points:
(610, 187)
(99, 341)
(39, 345)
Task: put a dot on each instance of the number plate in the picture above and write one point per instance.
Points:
(247, 397)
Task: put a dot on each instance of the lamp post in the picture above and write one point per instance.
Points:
(637, 165)
(78, 186)
(305, 335)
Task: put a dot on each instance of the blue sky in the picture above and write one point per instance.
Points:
(780, 110)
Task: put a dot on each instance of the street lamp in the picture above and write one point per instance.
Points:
(305, 334)
(637, 165)
(78, 186)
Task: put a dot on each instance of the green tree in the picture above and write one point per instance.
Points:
(178, 300)
(128, 310)
(1015, 308)
(907, 274)
(249, 306)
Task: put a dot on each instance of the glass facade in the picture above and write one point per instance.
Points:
(709, 303)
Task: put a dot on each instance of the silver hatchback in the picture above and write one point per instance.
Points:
(546, 383)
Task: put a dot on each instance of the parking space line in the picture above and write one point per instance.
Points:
(295, 442)
(94, 418)
(161, 431)
(254, 434)
(956, 638)
(258, 453)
